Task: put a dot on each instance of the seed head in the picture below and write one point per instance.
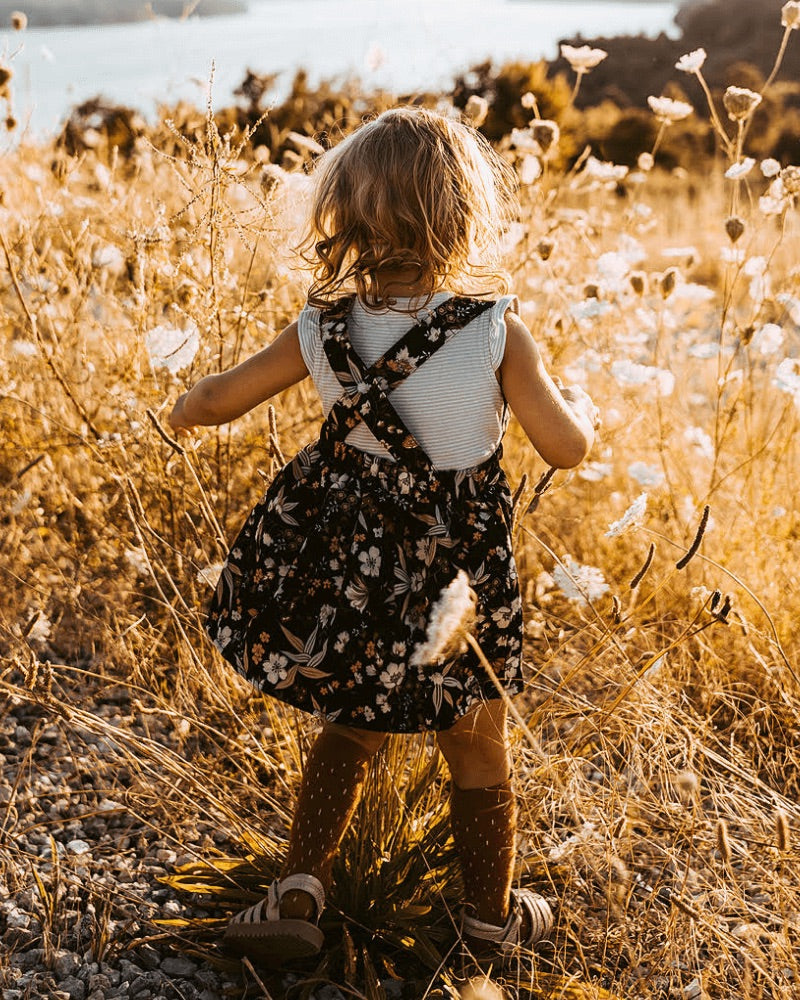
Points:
(645, 162)
(451, 617)
(545, 247)
(11, 123)
(791, 180)
(790, 15)
(476, 110)
(734, 227)
(591, 291)
(687, 786)
(783, 837)
(5, 75)
(19, 21)
(667, 282)
(546, 133)
(740, 103)
(638, 280)
(724, 842)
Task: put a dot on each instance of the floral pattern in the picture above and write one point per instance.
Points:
(327, 589)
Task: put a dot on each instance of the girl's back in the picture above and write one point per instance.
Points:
(453, 404)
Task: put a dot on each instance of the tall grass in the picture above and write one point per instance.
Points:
(659, 794)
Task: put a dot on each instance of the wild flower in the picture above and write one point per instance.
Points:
(768, 339)
(137, 560)
(476, 110)
(667, 110)
(632, 518)
(578, 582)
(602, 170)
(522, 139)
(109, 257)
(629, 374)
(790, 176)
(770, 167)
(594, 472)
(790, 15)
(645, 475)
(700, 441)
(741, 169)
(740, 103)
(692, 62)
(787, 378)
(530, 169)
(24, 348)
(645, 162)
(451, 616)
(584, 58)
(40, 630)
(546, 133)
(528, 100)
(171, 347)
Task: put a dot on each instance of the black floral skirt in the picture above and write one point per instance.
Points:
(327, 590)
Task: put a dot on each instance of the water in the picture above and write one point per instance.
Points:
(407, 46)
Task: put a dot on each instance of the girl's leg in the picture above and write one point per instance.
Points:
(329, 792)
(482, 808)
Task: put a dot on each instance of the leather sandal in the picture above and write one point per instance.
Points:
(524, 902)
(261, 932)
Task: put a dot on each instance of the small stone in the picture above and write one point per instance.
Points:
(78, 847)
(178, 966)
(73, 987)
(65, 963)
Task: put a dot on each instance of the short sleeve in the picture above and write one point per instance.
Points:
(309, 339)
(497, 328)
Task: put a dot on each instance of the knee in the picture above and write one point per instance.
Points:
(476, 763)
(366, 740)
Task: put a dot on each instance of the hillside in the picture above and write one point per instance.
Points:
(55, 13)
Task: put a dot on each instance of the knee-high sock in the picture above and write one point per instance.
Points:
(329, 792)
(484, 824)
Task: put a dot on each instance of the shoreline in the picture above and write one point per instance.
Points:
(63, 14)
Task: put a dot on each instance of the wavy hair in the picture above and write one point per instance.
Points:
(409, 189)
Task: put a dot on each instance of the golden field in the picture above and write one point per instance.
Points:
(658, 774)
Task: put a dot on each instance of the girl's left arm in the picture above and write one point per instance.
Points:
(216, 399)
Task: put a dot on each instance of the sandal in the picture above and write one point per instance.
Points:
(261, 932)
(524, 902)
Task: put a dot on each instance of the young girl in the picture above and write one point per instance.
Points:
(326, 595)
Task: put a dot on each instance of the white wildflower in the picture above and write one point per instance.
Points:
(578, 582)
(667, 110)
(476, 110)
(137, 560)
(787, 378)
(522, 139)
(790, 15)
(602, 170)
(768, 339)
(528, 100)
(632, 518)
(450, 617)
(530, 169)
(704, 351)
(692, 62)
(171, 347)
(209, 574)
(41, 629)
(630, 374)
(594, 472)
(645, 162)
(699, 440)
(770, 167)
(584, 58)
(740, 169)
(681, 253)
(24, 348)
(107, 257)
(740, 102)
(645, 475)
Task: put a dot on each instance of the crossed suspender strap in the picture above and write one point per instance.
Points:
(367, 388)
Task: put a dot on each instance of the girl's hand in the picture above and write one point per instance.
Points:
(177, 420)
(581, 402)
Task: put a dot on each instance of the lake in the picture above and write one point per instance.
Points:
(407, 46)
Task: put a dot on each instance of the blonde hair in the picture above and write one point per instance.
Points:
(410, 188)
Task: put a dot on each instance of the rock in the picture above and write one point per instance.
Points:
(175, 965)
(73, 987)
(65, 963)
(78, 847)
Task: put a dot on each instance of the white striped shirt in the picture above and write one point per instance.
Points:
(452, 404)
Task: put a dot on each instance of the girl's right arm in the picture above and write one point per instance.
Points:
(559, 422)
(216, 399)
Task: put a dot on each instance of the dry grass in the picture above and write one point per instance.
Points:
(662, 815)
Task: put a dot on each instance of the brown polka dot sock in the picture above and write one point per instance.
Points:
(484, 825)
(331, 785)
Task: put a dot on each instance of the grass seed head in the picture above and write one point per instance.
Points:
(451, 617)
(783, 837)
(19, 21)
(638, 280)
(724, 842)
(545, 248)
(667, 282)
(687, 786)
